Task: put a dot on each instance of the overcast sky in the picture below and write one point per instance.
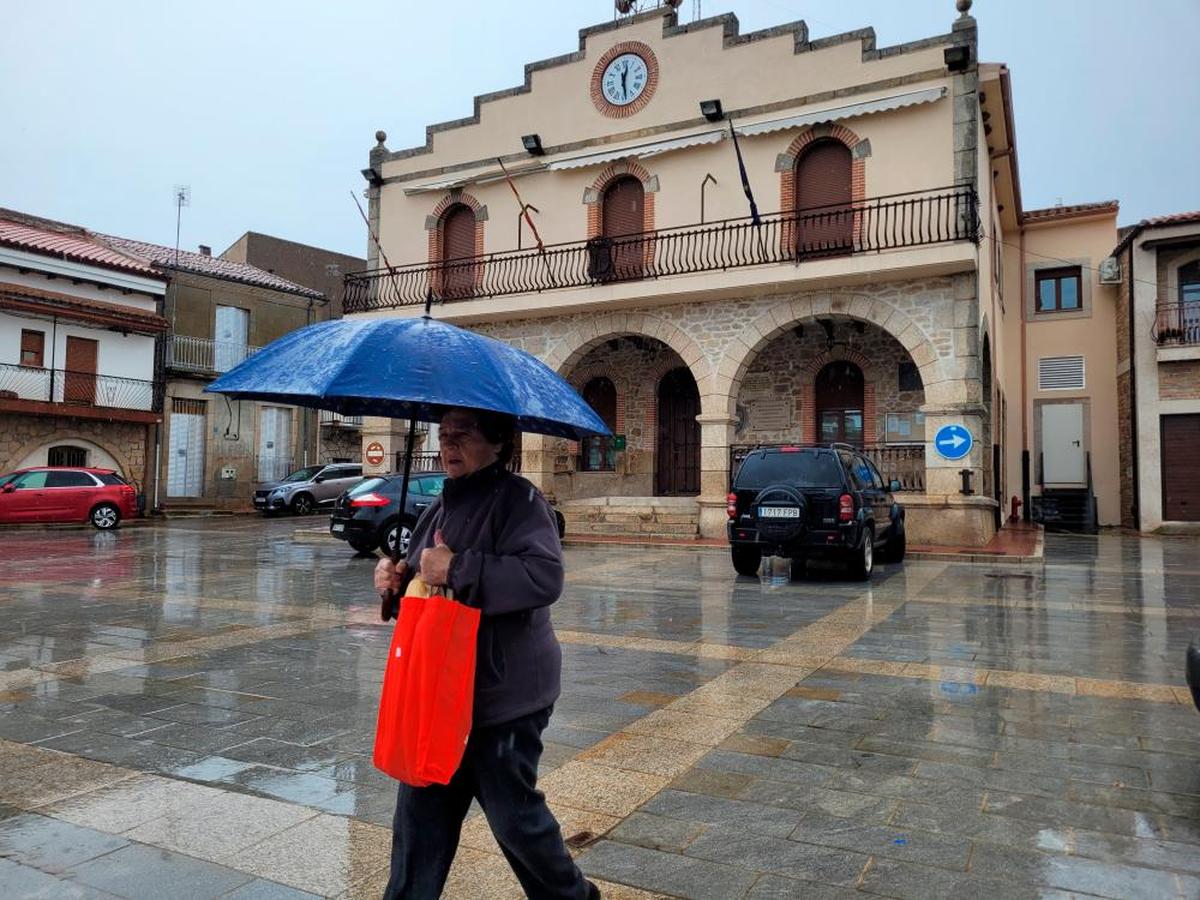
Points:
(267, 108)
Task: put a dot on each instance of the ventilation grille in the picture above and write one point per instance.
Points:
(1060, 373)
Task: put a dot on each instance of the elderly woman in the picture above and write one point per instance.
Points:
(493, 539)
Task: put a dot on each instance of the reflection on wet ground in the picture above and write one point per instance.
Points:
(188, 710)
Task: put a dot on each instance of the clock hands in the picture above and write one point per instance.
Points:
(624, 76)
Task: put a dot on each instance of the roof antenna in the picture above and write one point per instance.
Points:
(183, 197)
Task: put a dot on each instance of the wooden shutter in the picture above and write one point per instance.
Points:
(825, 224)
(458, 251)
(80, 380)
(624, 214)
(1181, 487)
(33, 348)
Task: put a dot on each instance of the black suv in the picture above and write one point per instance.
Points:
(811, 501)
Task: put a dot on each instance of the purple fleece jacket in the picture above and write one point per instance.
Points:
(508, 563)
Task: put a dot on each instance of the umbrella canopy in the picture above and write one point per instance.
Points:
(410, 368)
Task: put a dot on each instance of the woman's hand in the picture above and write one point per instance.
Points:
(389, 576)
(435, 562)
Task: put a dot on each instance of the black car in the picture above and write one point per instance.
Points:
(367, 516)
(813, 501)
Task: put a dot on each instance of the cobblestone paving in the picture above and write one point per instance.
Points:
(187, 710)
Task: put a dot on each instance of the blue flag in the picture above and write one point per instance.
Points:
(737, 148)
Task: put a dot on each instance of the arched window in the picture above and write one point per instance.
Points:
(622, 221)
(596, 453)
(840, 394)
(824, 214)
(459, 267)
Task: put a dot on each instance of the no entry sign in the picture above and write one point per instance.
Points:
(375, 453)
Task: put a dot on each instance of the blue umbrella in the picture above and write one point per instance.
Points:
(413, 368)
(410, 368)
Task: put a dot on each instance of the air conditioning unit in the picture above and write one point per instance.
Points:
(1110, 271)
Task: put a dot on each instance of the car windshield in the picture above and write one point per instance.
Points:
(365, 487)
(304, 474)
(803, 468)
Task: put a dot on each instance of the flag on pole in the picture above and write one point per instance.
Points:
(737, 148)
(524, 207)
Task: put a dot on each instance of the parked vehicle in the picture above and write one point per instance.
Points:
(308, 488)
(367, 516)
(813, 501)
(67, 494)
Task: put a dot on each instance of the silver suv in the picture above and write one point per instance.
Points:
(306, 489)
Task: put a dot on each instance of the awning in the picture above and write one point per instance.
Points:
(641, 151)
(883, 104)
(481, 178)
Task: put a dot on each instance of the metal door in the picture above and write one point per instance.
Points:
(274, 443)
(185, 449)
(1063, 461)
(79, 382)
(678, 434)
(1180, 471)
(232, 331)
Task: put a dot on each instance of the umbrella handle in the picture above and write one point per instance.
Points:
(389, 608)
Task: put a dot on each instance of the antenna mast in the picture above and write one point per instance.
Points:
(183, 197)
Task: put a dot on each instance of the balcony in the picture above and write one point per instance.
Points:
(205, 356)
(898, 221)
(337, 420)
(1177, 325)
(60, 392)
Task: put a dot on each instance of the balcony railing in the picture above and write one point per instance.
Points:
(883, 223)
(205, 355)
(902, 462)
(78, 388)
(337, 420)
(1177, 324)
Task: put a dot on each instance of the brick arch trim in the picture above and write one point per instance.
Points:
(789, 160)
(434, 223)
(580, 378)
(594, 195)
(808, 391)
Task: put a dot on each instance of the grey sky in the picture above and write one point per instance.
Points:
(267, 108)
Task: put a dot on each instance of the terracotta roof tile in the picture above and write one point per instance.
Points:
(165, 258)
(1129, 232)
(1069, 212)
(65, 304)
(66, 242)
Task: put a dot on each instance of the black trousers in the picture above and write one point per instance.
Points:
(499, 769)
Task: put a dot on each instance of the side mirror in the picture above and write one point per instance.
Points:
(8, 488)
(894, 485)
(317, 479)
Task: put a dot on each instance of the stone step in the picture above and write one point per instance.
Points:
(690, 529)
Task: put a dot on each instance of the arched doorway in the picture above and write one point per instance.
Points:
(825, 217)
(622, 215)
(838, 393)
(678, 452)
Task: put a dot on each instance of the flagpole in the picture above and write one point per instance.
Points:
(754, 217)
(529, 220)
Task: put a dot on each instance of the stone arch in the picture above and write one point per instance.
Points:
(590, 332)
(787, 314)
(41, 445)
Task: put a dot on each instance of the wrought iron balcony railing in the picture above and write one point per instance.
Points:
(337, 420)
(78, 388)
(882, 223)
(900, 462)
(205, 355)
(1177, 324)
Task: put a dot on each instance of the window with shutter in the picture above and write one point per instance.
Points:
(623, 222)
(1061, 373)
(596, 453)
(824, 214)
(459, 266)
(33, 348)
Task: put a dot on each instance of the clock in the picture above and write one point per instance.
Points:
(624, 79)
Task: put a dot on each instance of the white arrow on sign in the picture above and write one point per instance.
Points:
(953, 442)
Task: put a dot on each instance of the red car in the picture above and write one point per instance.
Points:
(62, 494)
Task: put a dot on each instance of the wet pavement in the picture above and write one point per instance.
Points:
(187, 710)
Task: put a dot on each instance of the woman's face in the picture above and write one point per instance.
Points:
(463, 448)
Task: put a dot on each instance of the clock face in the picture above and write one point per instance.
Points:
(624, 79)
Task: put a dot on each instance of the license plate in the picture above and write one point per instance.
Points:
(338, 528)
(779, 512)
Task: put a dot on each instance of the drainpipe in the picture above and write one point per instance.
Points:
(1133, 392)
(1025, 451)
(305, 414)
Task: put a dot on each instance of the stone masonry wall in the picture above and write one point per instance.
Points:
(125, 442)
(340, 443)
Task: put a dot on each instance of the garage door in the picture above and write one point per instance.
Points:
(1180, 471)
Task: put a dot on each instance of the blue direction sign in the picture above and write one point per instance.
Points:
(953, 441)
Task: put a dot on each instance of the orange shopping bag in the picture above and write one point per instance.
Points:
(428, 689)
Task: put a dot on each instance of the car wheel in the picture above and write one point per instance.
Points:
(105, 517)
(863, 562)
(389, 540)
(746, 559)
(303, 504)
(897, 546)
(363, 546)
